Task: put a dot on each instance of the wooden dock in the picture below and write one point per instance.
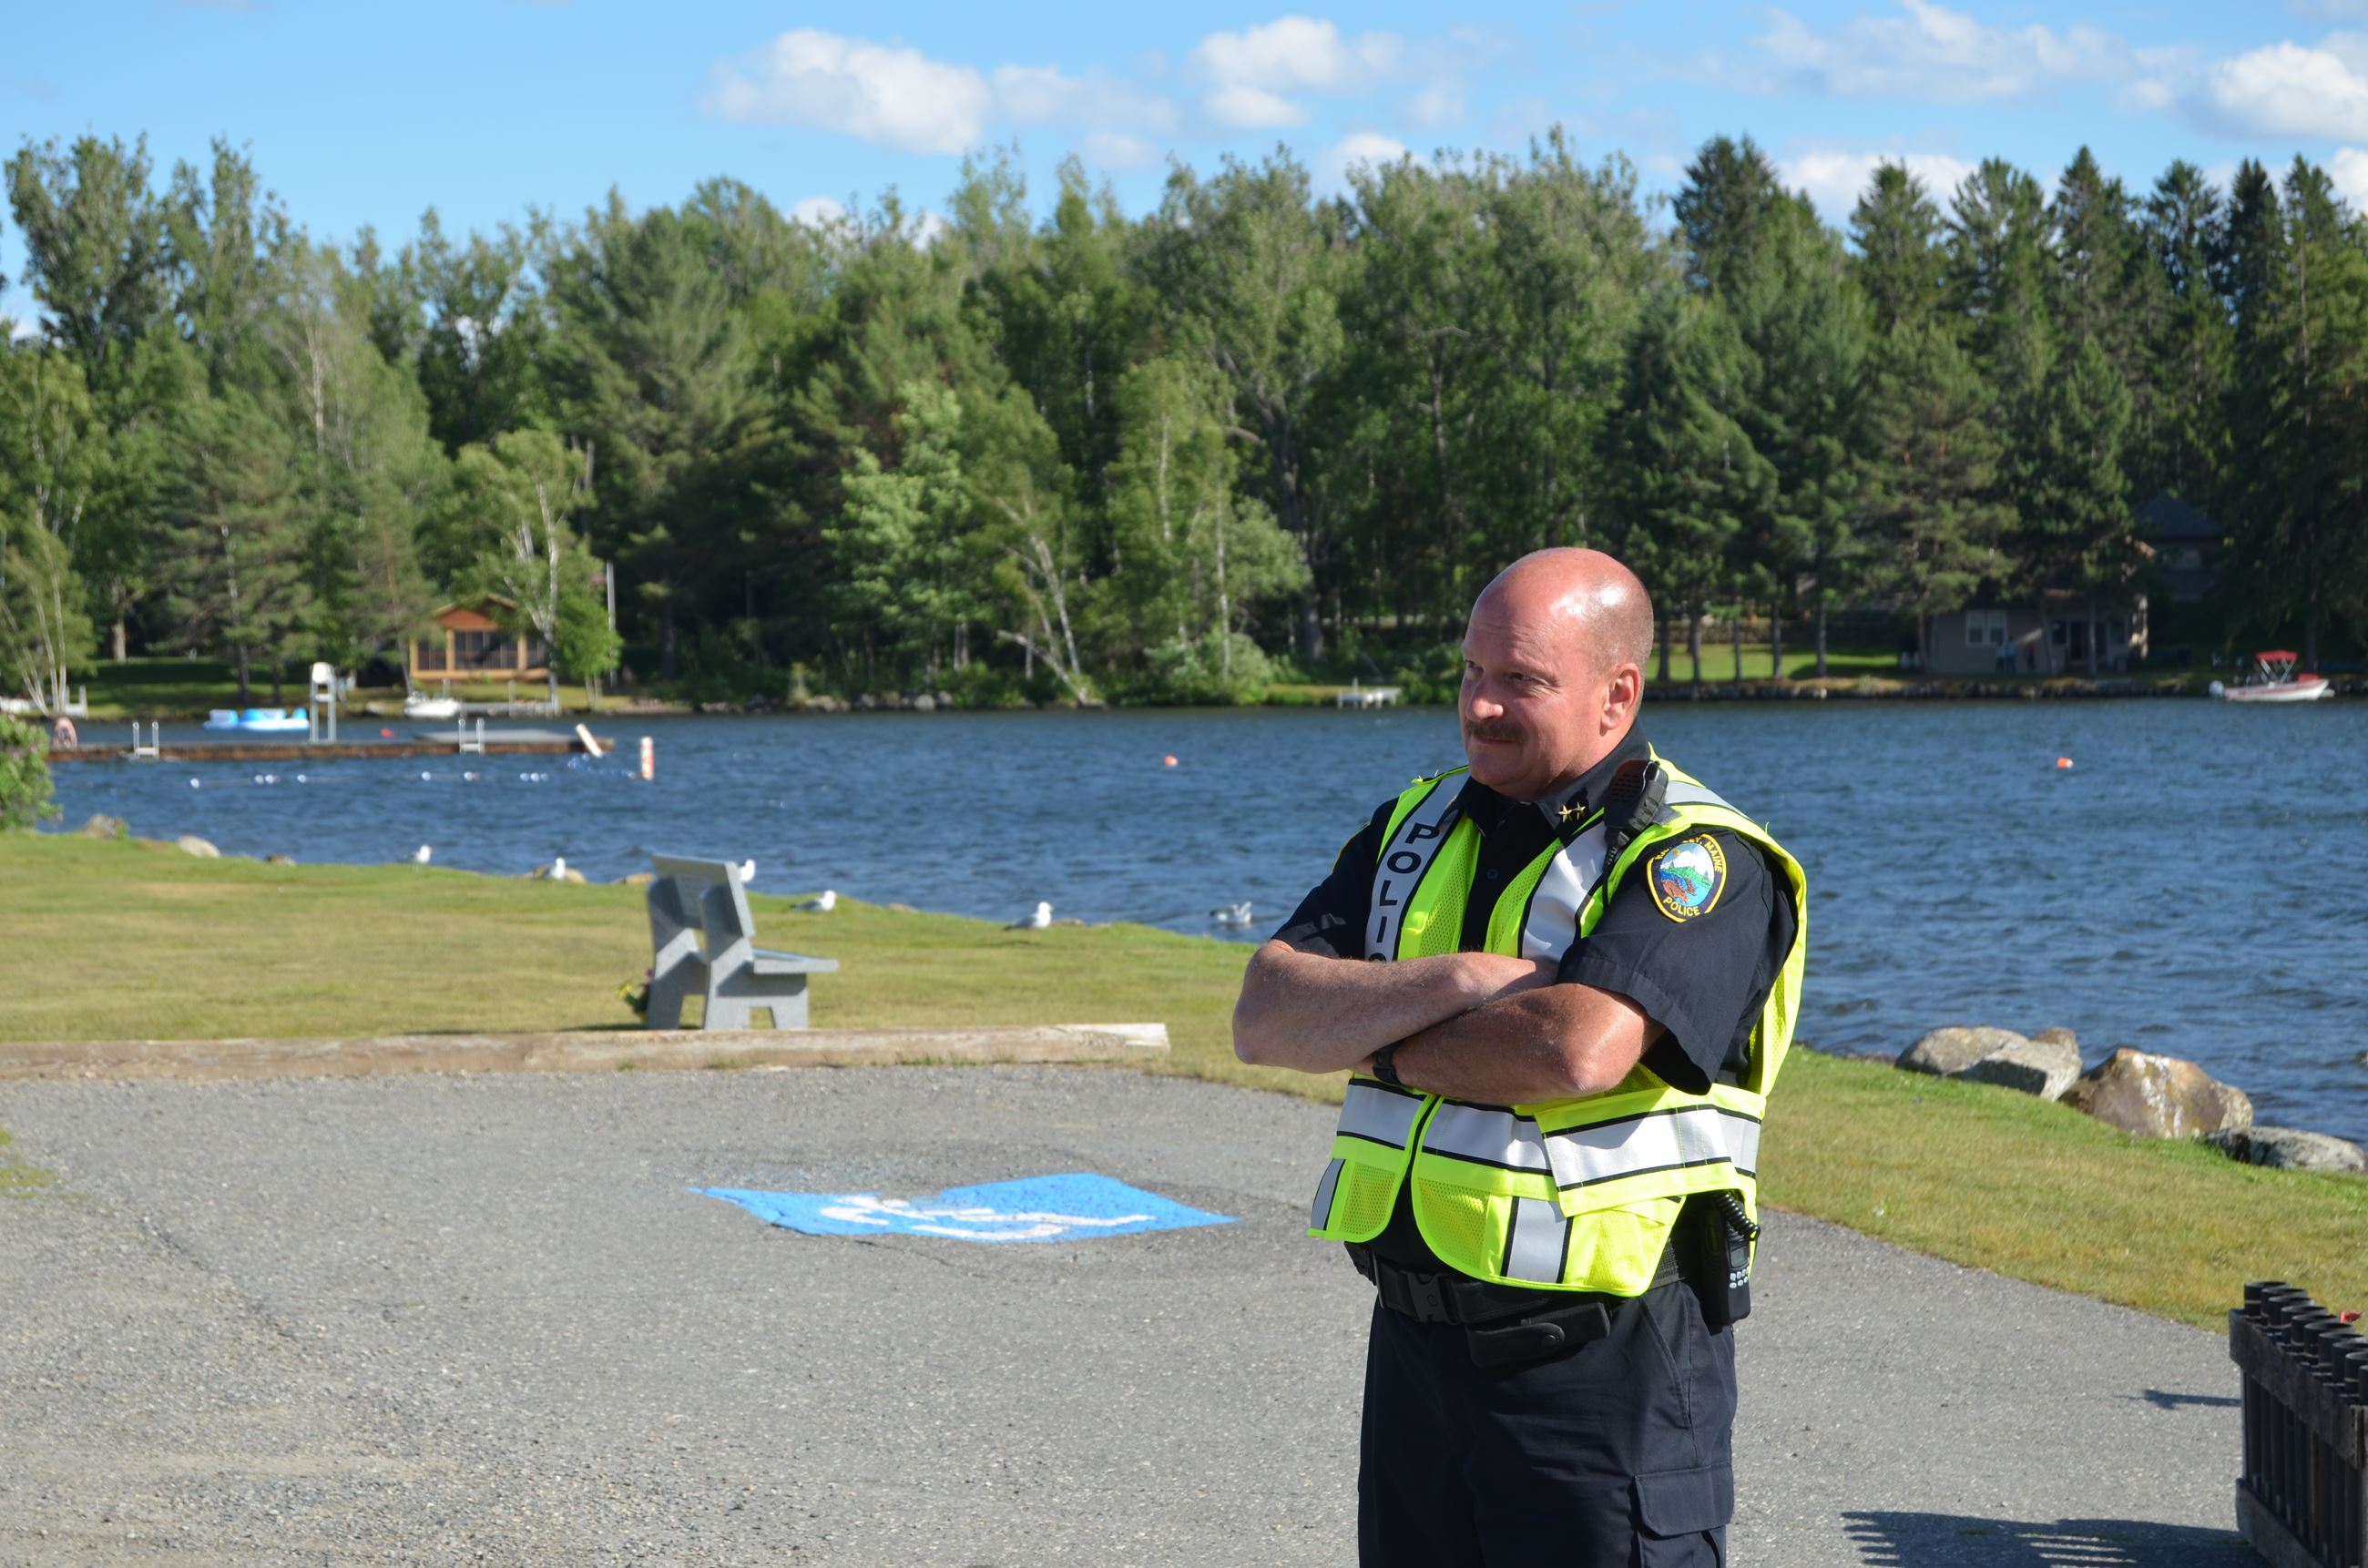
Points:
(497, 743)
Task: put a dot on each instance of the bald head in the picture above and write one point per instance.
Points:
(1584, 594)
(1553, 669)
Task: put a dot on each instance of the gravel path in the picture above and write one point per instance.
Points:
(439, 1320)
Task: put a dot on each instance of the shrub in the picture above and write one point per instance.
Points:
(1196, 671)
(24, 775)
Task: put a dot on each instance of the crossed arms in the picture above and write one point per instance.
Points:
(1471, 1026)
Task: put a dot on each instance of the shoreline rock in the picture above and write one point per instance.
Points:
(2288, 1149)
(2159, 1096)
(2044, 1065)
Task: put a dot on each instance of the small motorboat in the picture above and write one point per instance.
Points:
(420, 705)
(2273, 680)
(260, 721)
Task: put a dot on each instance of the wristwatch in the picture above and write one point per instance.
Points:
(1385, 1069)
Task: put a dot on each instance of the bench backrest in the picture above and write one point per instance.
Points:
(703, 896)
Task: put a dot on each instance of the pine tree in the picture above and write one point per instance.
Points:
(1803, 324)
(234, 550)
(2194, 346)
(1682, 472)
(1730, 199)
(1896, 230)
(1932, 519)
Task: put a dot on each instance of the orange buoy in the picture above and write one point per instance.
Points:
(1169, 759)
(2063, 762)
(385, 735)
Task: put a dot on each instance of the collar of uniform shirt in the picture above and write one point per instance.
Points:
(1488, 809)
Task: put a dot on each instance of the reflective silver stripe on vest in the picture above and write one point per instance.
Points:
(1378, 1114)
(1696, 1135)
(1535, 1244)
(1402, 862)
(1551, 923)
(1322, 1209)
(1486, 1135)
(1681, 794)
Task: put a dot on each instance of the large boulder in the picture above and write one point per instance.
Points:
(2044, 1066)
(101, 826)
(2288, 1149)
(190, 844)
(1946, 1052)
(2036, 1067)
(2159, 1096)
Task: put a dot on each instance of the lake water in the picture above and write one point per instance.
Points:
(2196, 883)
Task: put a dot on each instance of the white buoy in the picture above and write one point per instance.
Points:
(1036, 919)
(590, 744)
(649, 759)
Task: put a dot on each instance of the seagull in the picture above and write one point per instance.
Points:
(421, 855)
(1037, 920)
(559, 867)
(1232, 914)
(822, 902)
(747, 873)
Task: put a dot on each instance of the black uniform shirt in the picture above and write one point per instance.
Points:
(1698, 961)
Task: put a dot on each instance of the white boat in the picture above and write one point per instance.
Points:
(260, 721)
(2273, 680)
(420, 705)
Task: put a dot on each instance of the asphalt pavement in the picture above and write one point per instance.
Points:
(454, 1319)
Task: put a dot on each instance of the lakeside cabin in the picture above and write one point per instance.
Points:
(2019, 639)
(470, 645)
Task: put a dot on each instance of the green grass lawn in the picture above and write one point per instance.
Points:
(110, 940)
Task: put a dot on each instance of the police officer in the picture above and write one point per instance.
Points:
(1546, 1156)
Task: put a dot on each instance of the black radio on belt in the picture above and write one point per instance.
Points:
(1721, 1274)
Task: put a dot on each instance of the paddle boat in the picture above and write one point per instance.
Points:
(2273, 680)
(420, 705)
(260, 721)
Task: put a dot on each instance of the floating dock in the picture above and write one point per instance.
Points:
(443, 743)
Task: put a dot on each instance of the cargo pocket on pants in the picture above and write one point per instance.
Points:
(1681, 1517)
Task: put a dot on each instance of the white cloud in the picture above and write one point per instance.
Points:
(1250, 109)
(1359, 148)
(895, 97)
(1250, 75)
(1933, 54)
(819, 211)
(2289, 90)
(2348, 167)
(1836, 178)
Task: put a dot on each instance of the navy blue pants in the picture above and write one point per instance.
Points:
(1615, 1455)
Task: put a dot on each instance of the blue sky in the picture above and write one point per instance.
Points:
(362, 112)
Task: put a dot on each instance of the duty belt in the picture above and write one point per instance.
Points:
(1502, 1323)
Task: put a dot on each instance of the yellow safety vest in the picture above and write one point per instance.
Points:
(1573, 1193)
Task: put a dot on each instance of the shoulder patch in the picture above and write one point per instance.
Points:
(1687, 877)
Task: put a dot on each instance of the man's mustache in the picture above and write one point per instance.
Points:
(1490, 732)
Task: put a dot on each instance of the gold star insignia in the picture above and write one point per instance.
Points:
(1572, 812)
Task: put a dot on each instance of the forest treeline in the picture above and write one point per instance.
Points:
(1165, 458)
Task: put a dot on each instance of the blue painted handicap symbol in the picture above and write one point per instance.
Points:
(1069, 1207)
